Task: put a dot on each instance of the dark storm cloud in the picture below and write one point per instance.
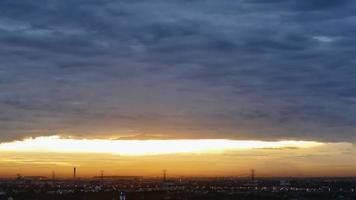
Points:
(206, 69)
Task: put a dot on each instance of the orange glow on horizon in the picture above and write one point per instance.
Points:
(191, 157)
(145, 147)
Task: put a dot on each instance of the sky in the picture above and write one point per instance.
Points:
(264, 70)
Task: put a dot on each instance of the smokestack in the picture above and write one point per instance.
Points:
(74, 173)
(164, 175)
(102, 176)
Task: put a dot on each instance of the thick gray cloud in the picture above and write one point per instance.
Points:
(213, 69)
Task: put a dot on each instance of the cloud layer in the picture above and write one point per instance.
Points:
(186, 69)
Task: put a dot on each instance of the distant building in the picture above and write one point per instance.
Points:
(122, 196)
(284, 183)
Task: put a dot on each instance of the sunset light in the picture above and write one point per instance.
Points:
(178, 100)
(145, 147)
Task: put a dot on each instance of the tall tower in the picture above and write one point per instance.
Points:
(252, 175)
(102, 176)
(74, 173)
(53, 175)
(164, 175)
